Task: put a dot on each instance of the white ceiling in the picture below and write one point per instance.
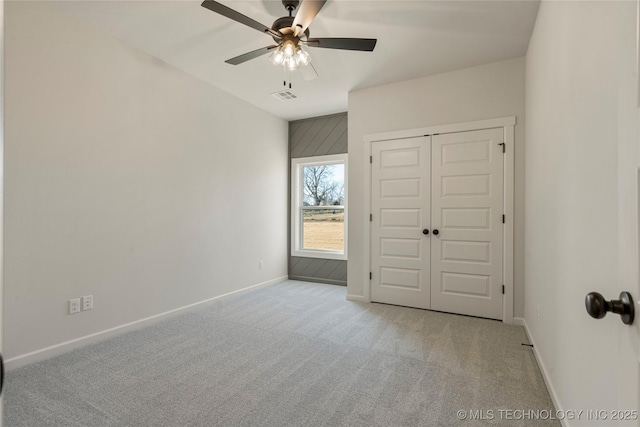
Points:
(415, 39)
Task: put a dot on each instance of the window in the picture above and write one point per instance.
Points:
(318, 207)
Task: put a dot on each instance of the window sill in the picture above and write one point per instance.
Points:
(320, 254)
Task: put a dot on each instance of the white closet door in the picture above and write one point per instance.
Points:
(400, 201)
(467, 208)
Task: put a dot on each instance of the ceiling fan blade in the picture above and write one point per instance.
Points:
(238, 17)
(250, 55)
(308, 72)
(307, 11)
(341, 43)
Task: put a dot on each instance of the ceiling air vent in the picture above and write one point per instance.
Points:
(285, 95)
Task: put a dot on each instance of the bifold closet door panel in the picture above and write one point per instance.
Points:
(467, 207)
(400, 201)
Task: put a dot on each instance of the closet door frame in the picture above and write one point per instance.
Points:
(508, 126)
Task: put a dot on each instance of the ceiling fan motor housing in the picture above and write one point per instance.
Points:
(283, 25)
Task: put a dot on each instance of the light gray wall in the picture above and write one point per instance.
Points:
(128, 180)
(318, 136)
(581, 201)
(484, 92)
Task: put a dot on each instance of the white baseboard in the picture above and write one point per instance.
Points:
(545, 373)
(54, 350)
(358, 298)
(316, 280)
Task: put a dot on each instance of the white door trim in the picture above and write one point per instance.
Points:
(2, 127)
(508, 124)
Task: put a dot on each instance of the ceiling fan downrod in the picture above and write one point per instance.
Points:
(290, 5)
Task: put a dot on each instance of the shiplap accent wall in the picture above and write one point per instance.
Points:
(317, 136)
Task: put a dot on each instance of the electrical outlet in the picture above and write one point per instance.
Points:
(87, 302)
(74, 305)
(260, 265)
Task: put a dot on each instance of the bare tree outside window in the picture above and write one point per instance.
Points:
(324, 185)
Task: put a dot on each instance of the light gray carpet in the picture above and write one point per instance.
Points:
(295, 353)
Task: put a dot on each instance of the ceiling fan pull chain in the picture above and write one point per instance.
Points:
(287, 76)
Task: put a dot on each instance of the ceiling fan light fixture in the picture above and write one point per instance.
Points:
(291, 64)
(302, 57)
(288, 47)
(290, 56)
(277, 57)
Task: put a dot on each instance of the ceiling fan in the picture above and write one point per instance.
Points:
(290, 33)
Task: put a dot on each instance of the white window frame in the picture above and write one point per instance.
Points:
(297, 206)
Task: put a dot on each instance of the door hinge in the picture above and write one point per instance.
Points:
(503, 218)
(504, 147)
(370, 217)
(371, 159)
(502, 289)
(370, 275)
